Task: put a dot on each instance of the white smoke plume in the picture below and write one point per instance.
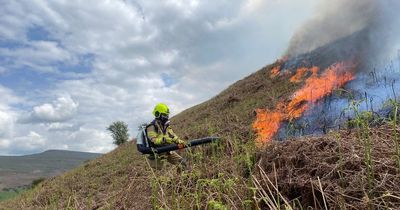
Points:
(340, 18)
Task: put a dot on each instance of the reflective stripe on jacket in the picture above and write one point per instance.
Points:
(161, 135)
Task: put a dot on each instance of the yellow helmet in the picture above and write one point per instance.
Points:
(160, 109)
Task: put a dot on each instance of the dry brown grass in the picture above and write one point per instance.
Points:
(337, 160)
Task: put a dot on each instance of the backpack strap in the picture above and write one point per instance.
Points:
(157, 126)
(152, 123)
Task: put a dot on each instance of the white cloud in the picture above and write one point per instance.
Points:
(62, 127)
(63, 109)
(166, 58)
(7, 113)
(251, 6)
(8, 97)
(4, 144)
(6, 124)
(91, 140)
(37, 55)
(31, 141)
(187, 8)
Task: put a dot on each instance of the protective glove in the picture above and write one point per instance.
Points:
(181, 144)
(180, 141)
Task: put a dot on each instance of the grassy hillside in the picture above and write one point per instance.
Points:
(19, 171)
(353, 168)
(46, 161)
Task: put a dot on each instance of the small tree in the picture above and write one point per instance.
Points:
(119, 132)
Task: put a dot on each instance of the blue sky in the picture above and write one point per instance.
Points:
(70, 68)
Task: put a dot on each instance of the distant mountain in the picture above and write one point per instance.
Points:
(16, 171)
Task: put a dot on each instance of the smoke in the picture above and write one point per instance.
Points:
(388, 34)
(333, 20)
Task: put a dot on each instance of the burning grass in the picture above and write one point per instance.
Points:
(275, 71)
(315, 87)
(302, 72)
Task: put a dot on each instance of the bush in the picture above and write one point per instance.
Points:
(36, 182)
(119, 132)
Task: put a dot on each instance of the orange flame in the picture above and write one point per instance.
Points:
(275, 71)
(316, 87)
(267, 123)
(301, 72)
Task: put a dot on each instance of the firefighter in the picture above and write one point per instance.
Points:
(160, 133)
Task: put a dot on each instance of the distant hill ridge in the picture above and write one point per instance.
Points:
(53, 152)
(47, 160)
(16, 171)
(63, 153)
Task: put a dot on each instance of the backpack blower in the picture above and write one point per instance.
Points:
(145, 147)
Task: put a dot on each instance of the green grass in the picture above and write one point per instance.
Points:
(218, 179)
(10, 193)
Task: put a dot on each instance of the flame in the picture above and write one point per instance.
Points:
(267, 123)
(301, 72)
(315, 88)
(275, 71)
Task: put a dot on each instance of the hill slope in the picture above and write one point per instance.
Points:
(16, 171)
